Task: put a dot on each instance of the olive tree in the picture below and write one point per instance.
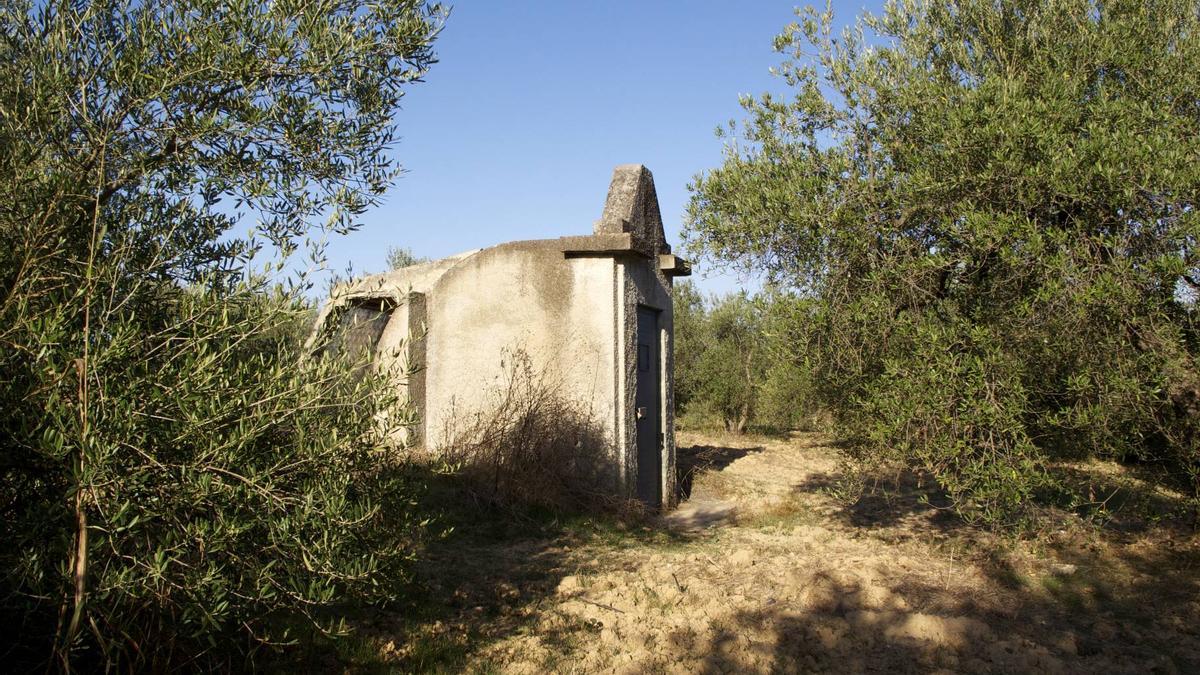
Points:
(729, 369)
(178, 482)
(995, 206)
(689, 314)
(739, 360)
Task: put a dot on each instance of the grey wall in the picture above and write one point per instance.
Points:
(568, 305)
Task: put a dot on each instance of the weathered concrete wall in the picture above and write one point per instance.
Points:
(522, 297)
(402, 343)
(568, 306)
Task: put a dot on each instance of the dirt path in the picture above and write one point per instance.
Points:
(761, 570)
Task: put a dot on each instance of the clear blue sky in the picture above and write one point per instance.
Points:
(516, 130)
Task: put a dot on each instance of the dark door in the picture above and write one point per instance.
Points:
(647, 408)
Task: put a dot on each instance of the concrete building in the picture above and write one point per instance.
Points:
(593, 313)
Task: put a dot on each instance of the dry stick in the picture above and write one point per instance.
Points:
(682, 588)
(601, 605)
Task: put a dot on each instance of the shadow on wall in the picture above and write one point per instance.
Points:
(531, 446)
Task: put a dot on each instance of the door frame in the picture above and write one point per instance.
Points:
(650, 495)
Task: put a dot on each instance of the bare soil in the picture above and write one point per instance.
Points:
(763, 568)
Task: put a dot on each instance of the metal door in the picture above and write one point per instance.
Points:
(648, 408)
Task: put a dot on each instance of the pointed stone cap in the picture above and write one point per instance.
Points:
(632, 206)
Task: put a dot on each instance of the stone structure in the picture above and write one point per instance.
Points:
(591, 312)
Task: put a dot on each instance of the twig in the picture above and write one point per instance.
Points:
(600, 604)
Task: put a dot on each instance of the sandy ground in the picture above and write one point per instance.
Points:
(762, 569)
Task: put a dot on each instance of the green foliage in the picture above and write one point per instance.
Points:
(689, 314)
(730, 366)
(994, 204)
(736, 360)
(401, 257)
(178, 479)
(786, 398)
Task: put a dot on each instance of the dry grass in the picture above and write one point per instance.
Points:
(802, 581)
(532, 446)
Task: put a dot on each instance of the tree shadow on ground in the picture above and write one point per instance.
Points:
(1136, 629)
(693, 459)
(886, 499)
(1137, 597)
(1117, 592)
(484, 577)
(1082, 599)
(1125, 498)
(1118, 497)
(831, 631)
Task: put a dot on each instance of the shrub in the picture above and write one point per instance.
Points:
(191, 481)
(739, 360)
(528, 445)
(994, 205)
(178, 482)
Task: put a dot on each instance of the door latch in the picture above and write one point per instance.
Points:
(641, 412)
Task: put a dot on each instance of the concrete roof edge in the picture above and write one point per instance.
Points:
(421, 278)
(674, 266)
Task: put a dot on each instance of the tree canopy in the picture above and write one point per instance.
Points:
(172, 471)
(995, 205)
(737, 359)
